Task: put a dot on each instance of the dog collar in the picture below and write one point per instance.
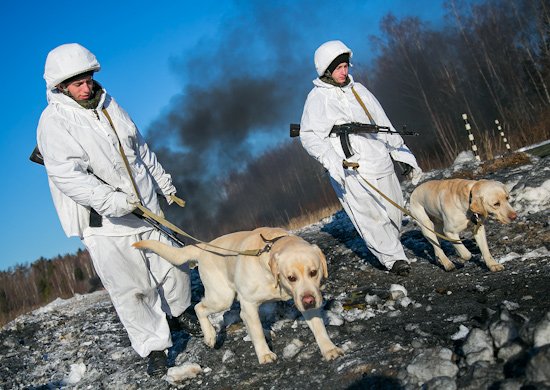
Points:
(475, 218)
(268, 244)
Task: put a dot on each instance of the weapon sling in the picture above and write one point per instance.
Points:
(344, 136)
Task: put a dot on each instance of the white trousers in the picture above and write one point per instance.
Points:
(131, 277)
(376, 220)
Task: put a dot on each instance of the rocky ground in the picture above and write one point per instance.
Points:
(467, 329)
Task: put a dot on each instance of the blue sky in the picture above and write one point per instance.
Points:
(139, 45)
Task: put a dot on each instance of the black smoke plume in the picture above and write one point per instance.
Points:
(240, 93)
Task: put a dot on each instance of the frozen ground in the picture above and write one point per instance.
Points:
(467, 329)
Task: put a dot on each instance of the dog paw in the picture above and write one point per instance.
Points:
(267, 358)
(448, 266)
(210, 340)
(333, 353)
(495, 267)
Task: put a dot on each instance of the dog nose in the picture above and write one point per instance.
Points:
(308, 301)
(512, 216)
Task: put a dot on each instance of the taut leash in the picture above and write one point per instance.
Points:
(405, 211)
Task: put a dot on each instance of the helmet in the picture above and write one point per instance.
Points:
(66, 61)
(327, 52)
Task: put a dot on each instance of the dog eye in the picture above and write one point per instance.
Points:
(313, 273)
(497, 204)
(292, 278)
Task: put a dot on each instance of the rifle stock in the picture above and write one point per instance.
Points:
(36, 156)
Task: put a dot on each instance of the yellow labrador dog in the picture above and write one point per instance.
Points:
(453, 205)
(291, 268)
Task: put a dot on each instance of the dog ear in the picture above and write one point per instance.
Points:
(323, 260)
(477, 203)
(274, 267)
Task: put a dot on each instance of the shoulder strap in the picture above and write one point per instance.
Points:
(371, 119)
(121, 150)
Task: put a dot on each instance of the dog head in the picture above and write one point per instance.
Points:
(299, 267)
(490, 197)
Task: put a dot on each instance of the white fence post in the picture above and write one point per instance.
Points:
(501, 133)
(471, 136)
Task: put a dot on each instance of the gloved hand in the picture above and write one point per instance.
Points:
(172, 198)
(350, 164)
(111, 202)
(123, 204)
(406, 169)
(416, 176)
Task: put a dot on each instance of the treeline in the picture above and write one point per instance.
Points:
(490, 60)
(26, 287)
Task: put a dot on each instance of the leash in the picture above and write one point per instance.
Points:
(405, 211)
(163, 221)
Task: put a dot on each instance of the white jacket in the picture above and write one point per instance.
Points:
(74, 141)
(328, 105)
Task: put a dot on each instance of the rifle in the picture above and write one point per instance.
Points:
(95, 218)
(343, 131)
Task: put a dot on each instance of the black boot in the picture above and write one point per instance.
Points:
(157, 364)
(188, 322)
(401, 268)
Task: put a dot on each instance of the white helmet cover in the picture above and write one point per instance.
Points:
(66, 61)
(327, 52)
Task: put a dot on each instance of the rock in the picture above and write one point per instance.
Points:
(75, 375)
(461, 333)
(404, 301)
(538, 367)
(185, 371)
(510, 305)
(432, 363)
(397, 291)
(440, 383)
(292, 349)
(478, 347)
(334, 319)
(228, 356)
(372, 299)
(503, 332)
(509, 351)
(542, 332)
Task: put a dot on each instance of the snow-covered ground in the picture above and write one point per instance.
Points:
(465, 329)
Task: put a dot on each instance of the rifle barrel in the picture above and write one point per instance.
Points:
(355, 128)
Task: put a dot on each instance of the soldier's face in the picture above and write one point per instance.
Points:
(340, 73)
(81, 89)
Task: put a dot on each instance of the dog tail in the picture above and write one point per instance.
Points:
(174, 255)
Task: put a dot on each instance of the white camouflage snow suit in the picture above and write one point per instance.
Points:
(75, 141)
(376, 220)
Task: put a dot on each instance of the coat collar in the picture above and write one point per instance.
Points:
(57, 98)
(321, 84)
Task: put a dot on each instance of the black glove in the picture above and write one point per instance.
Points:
(406, 169)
